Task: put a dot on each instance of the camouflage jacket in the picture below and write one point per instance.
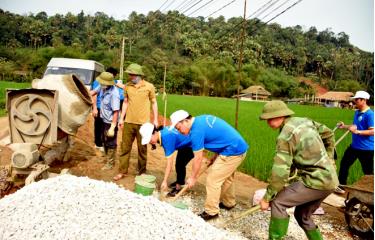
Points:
(301, 145)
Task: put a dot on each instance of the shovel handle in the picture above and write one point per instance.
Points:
(184, 189)
(241, 215)
(341, 138)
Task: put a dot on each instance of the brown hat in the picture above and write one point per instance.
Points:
(106, 79)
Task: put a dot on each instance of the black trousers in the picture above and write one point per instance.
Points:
(109, 142)
(366, 158)
(98, 130)
(184, 155)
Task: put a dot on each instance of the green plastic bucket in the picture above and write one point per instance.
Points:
(144, 188)
(146, 178)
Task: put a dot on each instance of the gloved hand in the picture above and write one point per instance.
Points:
(111, 130)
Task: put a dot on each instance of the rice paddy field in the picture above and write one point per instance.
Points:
(258, 135)
(3, 86)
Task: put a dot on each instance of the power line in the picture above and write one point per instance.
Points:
(276, 8)
(268, 7)
(169, 5)
(284, 11)
(201, 7)
(192, 6)
(163, 4)
(256, 29)
(188, 4)
(220, 8)
(260, 8)
(182, 3)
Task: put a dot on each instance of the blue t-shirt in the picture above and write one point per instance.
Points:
(109, 102)
(94, 85)
(172, 140)
(363, 120)
(216, 135)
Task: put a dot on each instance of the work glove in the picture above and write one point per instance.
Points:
(111, 130)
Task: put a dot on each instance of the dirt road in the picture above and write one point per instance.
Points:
(85, 161)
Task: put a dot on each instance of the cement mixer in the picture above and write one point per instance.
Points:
(46, 114)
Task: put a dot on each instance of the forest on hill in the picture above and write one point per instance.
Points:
(201, 54)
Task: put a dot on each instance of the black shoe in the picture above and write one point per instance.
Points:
(222, 206)
(172, 185)
(173, 192)
(207, 216)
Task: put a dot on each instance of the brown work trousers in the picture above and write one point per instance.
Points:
(220, 183)
(306, 200)
(130, 131)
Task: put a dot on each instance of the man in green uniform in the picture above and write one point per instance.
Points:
(305, 147)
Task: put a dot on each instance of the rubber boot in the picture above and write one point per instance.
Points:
(111, 159)
(278, 228)
(314, 234)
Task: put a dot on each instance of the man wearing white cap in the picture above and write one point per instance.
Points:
(362, 146)
(171, 140)
(214, 134)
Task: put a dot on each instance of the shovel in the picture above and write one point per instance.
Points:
(243, 214)
(184, 189)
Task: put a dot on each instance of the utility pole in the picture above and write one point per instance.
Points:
(240, 65)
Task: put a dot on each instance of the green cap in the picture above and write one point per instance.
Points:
(106, 79)
(134, 69)
(274, 109)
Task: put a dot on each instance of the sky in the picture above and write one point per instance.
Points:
(354, 17)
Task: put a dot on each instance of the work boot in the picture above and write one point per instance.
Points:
(314, 234)
(111, 154)
(222, 206)
(207, 216)
(278, 228)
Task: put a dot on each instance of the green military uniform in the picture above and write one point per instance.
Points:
(299, 145)
(307, 147)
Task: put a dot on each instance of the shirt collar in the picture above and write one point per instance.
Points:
(141, 84)
(365, 110)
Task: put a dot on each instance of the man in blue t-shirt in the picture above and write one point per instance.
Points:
(362, 146)
(171, 140)
(213, 134)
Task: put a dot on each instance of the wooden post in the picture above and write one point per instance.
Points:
(122, 59)
(165, 96)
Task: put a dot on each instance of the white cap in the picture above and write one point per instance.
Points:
(146, 132)
(177, 116)
(361, 94)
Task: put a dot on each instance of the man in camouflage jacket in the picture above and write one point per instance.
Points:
(306, 148)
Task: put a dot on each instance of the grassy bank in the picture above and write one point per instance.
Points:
(3, 86)
(258, 135)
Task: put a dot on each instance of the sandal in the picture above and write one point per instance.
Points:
(119, 176)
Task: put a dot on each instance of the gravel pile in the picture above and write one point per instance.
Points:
(69, 207)
(255, 226)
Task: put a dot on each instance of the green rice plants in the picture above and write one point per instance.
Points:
(261, 138)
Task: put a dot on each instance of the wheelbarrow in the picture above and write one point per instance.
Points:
(359, 207)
